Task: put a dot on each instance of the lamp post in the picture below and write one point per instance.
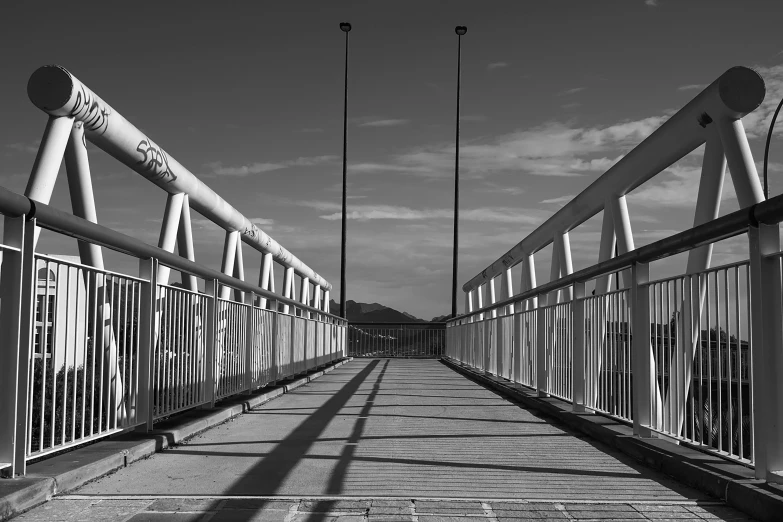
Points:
(460, 30)
(346, 28)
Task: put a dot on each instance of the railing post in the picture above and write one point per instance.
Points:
(766, 353)
(148, 270)
(211, 289)
(500, 343)
(250, 298)
(487, 353)
(542, 364)
(643, 376)
(274, 371)
(17, 279)
(517, 359)
(578, 362)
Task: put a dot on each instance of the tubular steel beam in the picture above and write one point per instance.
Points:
(768, 212)
(734, 94)
(57, 92)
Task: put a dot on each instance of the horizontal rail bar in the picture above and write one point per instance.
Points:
(768, 212)
(57, 92)
(87, 268)
(734, 94)
(391, 325)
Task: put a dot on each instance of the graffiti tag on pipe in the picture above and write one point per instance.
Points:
(87, 109)
(154, 162)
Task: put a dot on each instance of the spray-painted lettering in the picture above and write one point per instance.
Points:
(251, 232)
(154, 162)
(91, 110)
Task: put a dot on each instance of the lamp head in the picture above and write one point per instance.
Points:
(460, 30)
(345, 27)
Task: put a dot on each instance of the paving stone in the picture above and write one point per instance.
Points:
(718, 513)
(389, 510)
(333, 505)
(447, 507)
(605, 515)
(305, 517)
(657, 515)
(248, 515)
(599, 507)
(513, 506)
(184, 504)
(156, 516)
(689, 519)
(536, 514)
(258, 503)
(451, 518)
(387, 502)
(651, 508)
(89, 510)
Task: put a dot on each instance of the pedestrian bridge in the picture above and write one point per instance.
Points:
(680, 373)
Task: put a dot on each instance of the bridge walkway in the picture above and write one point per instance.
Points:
(386, 439)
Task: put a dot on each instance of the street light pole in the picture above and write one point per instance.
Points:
(346, 28)
(460, 30)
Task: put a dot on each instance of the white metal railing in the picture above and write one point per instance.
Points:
(608, 354)
(705, 318)
(179, 361)
(88, 353)
(84, 367)
(694, 357)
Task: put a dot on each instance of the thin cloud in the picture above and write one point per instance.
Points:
(497, 65)
(384, 123)
(310, 161)
(568, 92)
(553, 149)
(651, 3)
(219, 169)
(391, 212)
(28, 148)
(245, 170)
(495, 188)
(262, 221)
(571, 105)
(562, 200)
(677, 186)
(691, 87)
(757, 122)
(372, 168)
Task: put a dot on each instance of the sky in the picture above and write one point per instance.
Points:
(249, 97)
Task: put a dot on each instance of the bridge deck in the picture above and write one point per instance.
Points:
(388, 428)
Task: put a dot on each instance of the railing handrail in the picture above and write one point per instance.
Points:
(58, 93)
(768, 212)
(737, 92)
(48, 217)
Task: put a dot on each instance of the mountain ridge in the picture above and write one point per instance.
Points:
(375, 313)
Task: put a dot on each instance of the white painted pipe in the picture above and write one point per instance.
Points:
(734, 94)
(57, 92)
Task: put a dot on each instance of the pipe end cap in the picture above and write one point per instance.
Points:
(50, 87)
(741, 89)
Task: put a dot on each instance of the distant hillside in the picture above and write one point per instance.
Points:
(373, 313)
(440, 318)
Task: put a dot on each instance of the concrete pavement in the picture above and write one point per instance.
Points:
(410, 435)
